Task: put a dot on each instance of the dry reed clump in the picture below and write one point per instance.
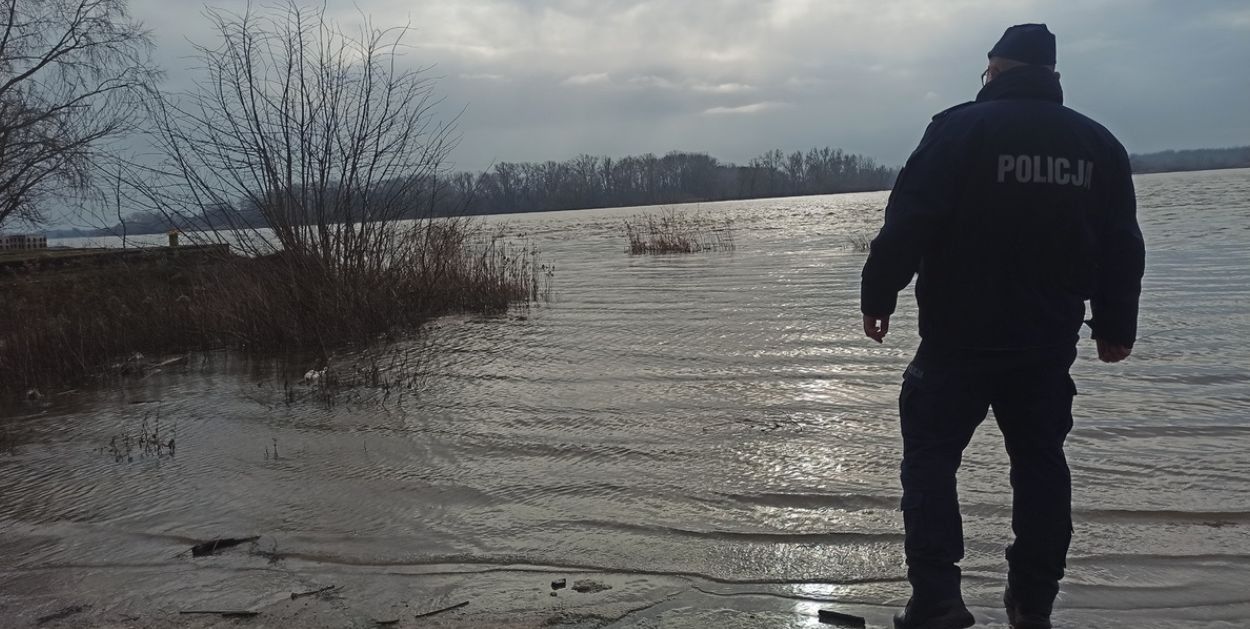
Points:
(60, 328)
(677, 232)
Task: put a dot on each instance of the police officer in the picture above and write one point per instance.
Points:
(1014, 210)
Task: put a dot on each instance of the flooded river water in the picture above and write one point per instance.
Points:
(709, 435)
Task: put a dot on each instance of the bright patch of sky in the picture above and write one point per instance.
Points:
(540, 80)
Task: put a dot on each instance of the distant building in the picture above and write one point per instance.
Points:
(23, 242)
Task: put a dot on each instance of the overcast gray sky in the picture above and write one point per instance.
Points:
(551, 79)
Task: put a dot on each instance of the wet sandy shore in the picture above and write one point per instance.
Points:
(520, 596)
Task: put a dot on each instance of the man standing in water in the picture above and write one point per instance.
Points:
(1014, 210)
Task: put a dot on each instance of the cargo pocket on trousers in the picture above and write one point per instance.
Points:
(913, 381)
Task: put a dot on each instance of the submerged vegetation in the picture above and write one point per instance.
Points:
(373, 379)
(677, 232)
(147, 443)
(861, 243)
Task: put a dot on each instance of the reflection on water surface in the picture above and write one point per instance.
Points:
(708, 433)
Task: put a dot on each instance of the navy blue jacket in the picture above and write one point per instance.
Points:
(1014, 210)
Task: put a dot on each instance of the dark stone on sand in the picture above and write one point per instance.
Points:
(559, 584)
(589, 586)
(831, 617)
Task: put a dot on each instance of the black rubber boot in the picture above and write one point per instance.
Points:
(950, 614)
(1024, 619)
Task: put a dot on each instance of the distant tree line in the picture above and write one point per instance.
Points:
(586, 181)
(589, 181)
(1196, 159)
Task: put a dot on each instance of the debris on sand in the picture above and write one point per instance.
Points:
(439, 611)
(169, 362)
(830, 617)
(589, 586)
(62, 614)
(222, 613)
(295, 595)
(212, 546)
(559, 584)
(568, 619)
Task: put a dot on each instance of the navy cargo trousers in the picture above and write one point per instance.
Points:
(946, 394)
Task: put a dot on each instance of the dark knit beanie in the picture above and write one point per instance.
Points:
(1027, 43)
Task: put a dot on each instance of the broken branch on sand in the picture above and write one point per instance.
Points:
(295, 595)
(445, 609)
(212, 546)
(222, 613)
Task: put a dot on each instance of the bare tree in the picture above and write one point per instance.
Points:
(70, 73)
(329, 137)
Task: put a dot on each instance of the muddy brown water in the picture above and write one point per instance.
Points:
(708, 434)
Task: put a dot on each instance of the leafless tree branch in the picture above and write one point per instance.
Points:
(71, 76)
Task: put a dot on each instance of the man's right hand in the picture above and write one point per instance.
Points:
(1112, 353)
(876, 327)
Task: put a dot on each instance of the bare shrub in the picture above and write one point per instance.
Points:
(304, 139)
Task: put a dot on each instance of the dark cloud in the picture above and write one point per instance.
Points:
(548, 80)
